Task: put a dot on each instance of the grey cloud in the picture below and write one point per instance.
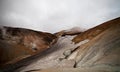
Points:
(55, 15)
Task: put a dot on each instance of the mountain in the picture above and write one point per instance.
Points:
(19, 43)
(95, 50)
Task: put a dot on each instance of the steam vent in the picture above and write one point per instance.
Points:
(94, 50)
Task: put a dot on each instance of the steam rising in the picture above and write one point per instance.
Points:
(55, 15)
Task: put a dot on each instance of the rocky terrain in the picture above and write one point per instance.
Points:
(95, 50)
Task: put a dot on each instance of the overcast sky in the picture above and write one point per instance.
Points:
(55, 15)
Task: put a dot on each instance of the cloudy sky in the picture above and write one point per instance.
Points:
(55, 15)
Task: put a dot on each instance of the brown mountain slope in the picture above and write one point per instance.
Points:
(91, 33)
(18, 43)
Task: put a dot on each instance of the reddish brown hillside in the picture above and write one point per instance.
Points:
(91, 33)
(19, 43)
